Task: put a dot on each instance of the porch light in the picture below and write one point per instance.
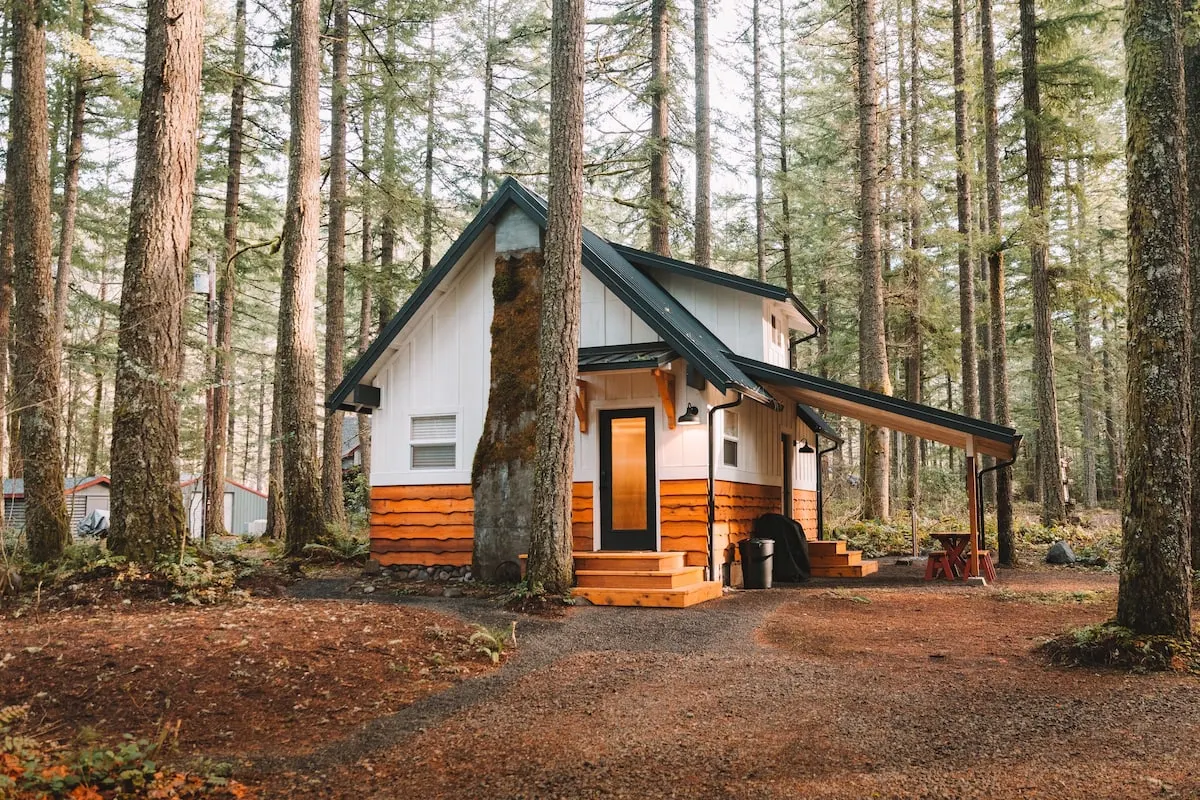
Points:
(690, 417)
(805, 447)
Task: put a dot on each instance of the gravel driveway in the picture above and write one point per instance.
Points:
(875, 688)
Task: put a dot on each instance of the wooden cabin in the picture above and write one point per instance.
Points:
(690, 423)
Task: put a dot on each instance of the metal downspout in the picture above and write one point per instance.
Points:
(712, 503)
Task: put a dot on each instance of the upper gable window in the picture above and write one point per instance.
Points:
(434, 442)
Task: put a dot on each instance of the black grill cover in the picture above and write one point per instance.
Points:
(791, 562)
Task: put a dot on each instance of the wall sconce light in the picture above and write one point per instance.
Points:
(690, 417)
(805, 447)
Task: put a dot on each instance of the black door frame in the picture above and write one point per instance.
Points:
(627, 540)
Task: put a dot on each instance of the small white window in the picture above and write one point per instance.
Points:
(729, 438)
(434, 442)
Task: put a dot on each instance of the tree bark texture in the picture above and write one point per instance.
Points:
(1155, 589)
(430, 122)
(37, 345)
(872, 334)
(333, 504)
(70, 200)
(489, 85)
(660, 147)
(703, 228)
(6, 301)
(297, 332)
(962, 180)
(385, 292)
(760, 205)
(1191, 70)
(502, 475)
(215, 447)
(996, 282)
(147, 508)
(913, 362)
(276, 507)
(1054, 508)
(550, 561)
(365, 293)
(785, 201)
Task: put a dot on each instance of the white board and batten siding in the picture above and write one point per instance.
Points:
(438, 367)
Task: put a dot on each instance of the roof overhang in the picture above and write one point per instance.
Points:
(617, 358)
(893, 413)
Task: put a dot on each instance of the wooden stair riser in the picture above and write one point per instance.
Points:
(839, 560)
(827, 548)
(652, 598)
(629, 562)
(852, 571)
(660, 579)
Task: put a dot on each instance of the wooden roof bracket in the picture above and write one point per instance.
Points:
(581, 405)
(666, 390)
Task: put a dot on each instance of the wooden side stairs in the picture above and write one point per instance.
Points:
(641, 578)
(831, 559)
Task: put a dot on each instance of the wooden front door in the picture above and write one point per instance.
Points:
(627, 491)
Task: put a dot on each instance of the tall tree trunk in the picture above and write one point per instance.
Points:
(297, 334)
(966, 263)
(215, 447)
(430, 122)
(760, 206)
(660, 148)
(93, 456)
(1155, 590)
(333, 503)
(996, 287)
(1081, 278)
(872, 335)
(1054, 506)
(6, 298)
(785, 203)
(1191, 69)
(550, 561)
(385, 291)
(147, 508)
(70, 201)
(261, 431)
(276, 506)
(1112, 431)
(910, 142)
(368, 262)
(36, 339)
(489, 85)
(703, 140)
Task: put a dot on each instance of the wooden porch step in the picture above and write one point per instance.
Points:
(629, 560)
(847, 559)
(828, 547)
(639, 579)
(652, 598)
(850, 571)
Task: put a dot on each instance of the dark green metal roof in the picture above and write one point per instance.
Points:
(644, 259)
(653, 304)
(817, 423)
(626, 356)
(770, 373)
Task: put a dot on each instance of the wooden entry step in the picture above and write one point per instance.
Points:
(638, 579)
(641, 578)
(832, 559)
(629, 560)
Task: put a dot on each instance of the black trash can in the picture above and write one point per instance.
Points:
(756, 562)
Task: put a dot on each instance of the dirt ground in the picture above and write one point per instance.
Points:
(883, 687)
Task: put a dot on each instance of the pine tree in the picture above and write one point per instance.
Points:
(550, 561)
(1155, 590)
(297, 334)
(703, 212)
(147, 507)
(660, 148)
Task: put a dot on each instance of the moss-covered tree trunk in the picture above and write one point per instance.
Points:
(1191, 70)
(1155, 590)
(502, 475)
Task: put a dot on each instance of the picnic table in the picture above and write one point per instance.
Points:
(952, 561)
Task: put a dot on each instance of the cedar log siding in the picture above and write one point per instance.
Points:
(433, 526)
(804, 511)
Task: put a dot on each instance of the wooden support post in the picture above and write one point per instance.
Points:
(581, 405)
(666, 390)
(972, 507)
